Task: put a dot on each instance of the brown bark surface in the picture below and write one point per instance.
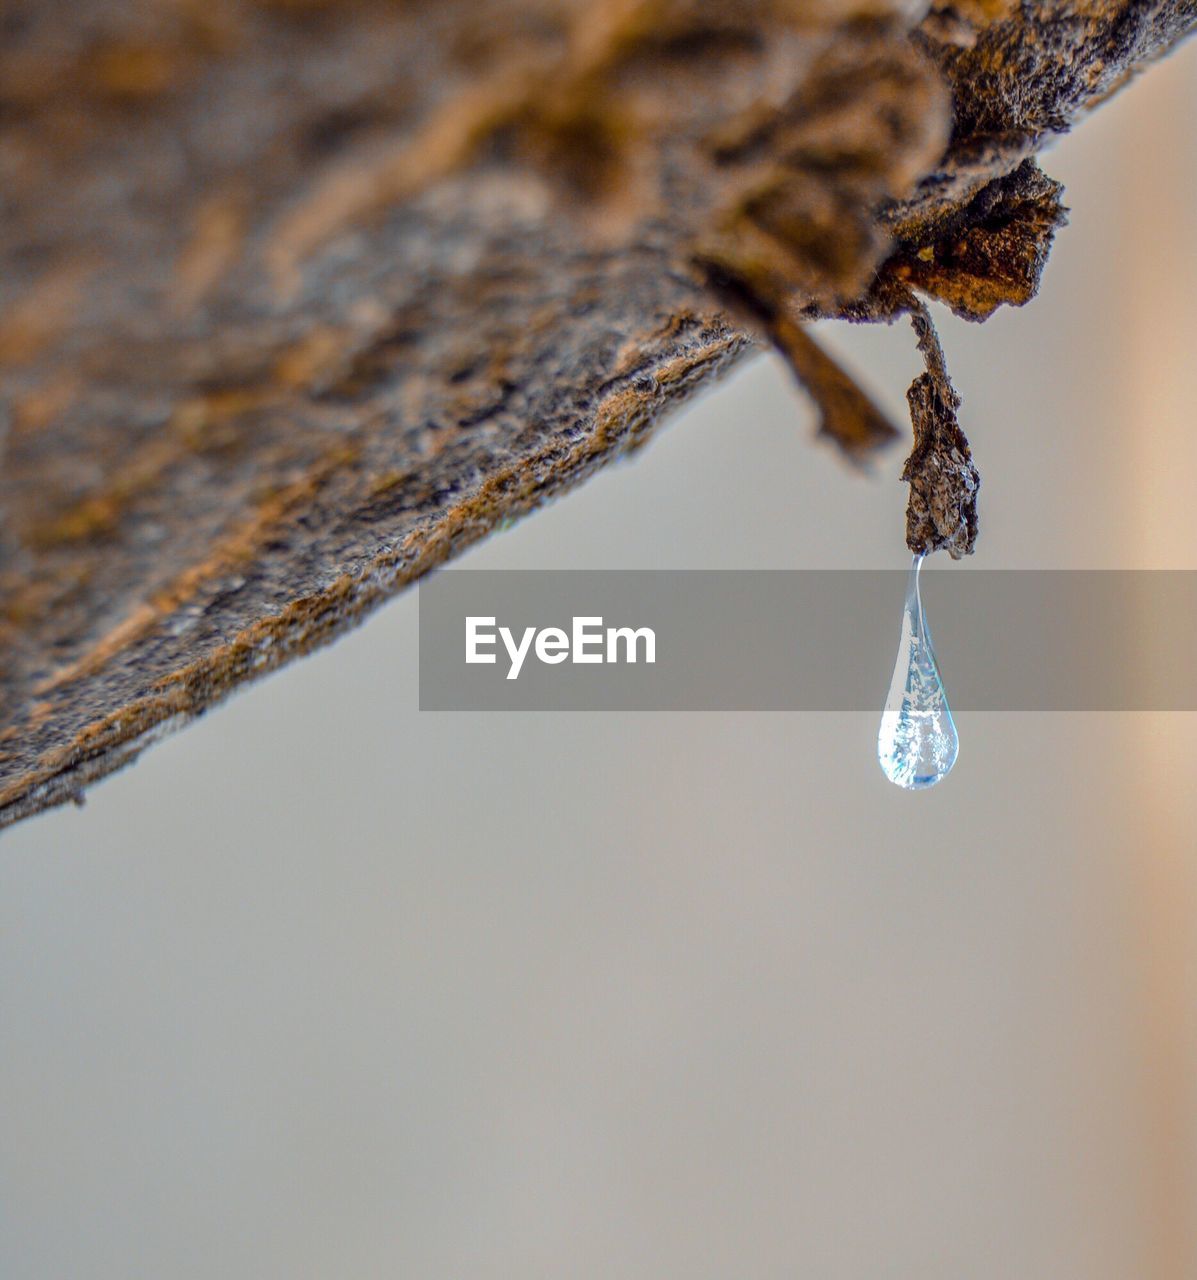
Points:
(297, 299)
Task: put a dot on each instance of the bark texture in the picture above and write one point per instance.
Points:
(297, 299)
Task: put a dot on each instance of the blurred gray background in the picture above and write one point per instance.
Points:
(326, 987)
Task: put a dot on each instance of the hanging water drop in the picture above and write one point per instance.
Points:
(917, 742)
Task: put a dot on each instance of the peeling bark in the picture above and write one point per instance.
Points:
(299, 299)
(941, 514)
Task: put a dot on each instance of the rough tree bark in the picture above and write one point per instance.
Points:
(298, 299)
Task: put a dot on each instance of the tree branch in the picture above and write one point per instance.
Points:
(299, 299)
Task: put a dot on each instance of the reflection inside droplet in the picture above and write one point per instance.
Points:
(917, 742)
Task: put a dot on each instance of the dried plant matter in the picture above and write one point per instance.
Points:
(300, 298)
(941, 514)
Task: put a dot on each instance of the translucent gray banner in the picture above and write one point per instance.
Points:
(732, 640)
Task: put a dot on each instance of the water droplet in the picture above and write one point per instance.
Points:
(917, 742)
